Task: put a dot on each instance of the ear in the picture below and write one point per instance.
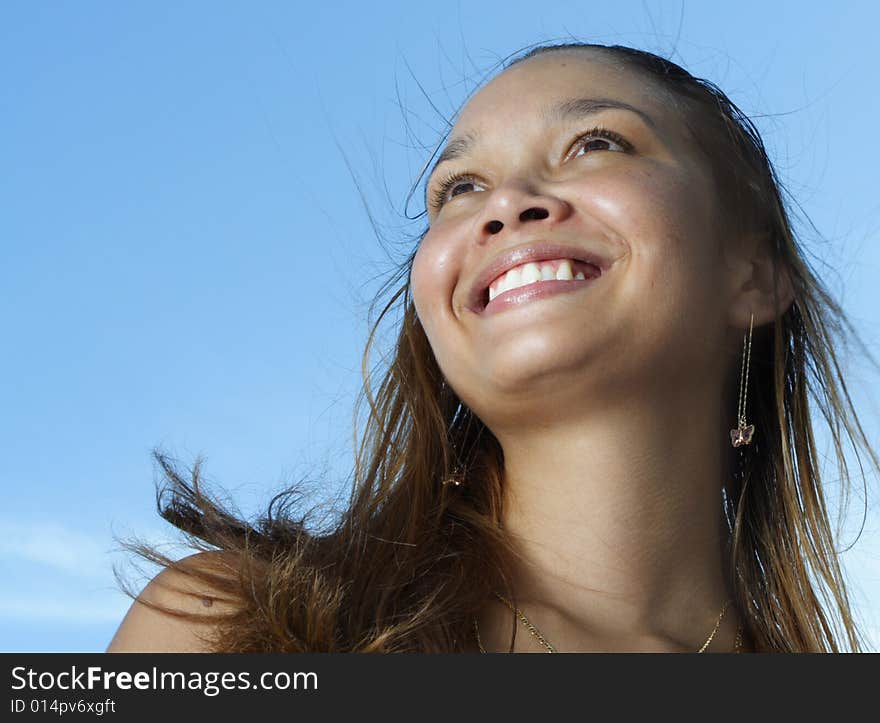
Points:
(755, 273)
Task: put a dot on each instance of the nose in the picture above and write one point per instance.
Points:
(516, 204)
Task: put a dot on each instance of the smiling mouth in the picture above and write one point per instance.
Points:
(537, 279)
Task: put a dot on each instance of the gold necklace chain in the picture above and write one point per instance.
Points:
(550, 649)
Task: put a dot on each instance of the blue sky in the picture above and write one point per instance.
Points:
(187, 261)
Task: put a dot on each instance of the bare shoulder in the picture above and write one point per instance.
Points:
(148, 630)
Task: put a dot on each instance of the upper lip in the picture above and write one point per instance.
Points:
(532, 251)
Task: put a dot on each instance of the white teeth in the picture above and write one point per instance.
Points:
(563, 273)
(512, 279)
(531, 273)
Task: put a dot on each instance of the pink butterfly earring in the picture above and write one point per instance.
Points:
(743, 434)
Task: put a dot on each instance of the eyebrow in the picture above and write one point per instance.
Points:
(567, 109)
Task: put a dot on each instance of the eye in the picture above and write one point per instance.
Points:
(590, 139)
(454, 184)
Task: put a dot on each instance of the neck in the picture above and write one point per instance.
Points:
(616, 519)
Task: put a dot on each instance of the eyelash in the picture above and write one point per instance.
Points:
(446, 184)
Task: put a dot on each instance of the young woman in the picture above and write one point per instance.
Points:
(594, 434)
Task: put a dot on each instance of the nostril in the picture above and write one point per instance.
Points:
(494, 226)
(535, 214)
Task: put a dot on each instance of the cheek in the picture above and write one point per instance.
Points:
(433, 277)
(656, 202)
(683, 296)
(672, 290)
(665, 215)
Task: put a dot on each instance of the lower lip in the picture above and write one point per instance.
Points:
(530, 292)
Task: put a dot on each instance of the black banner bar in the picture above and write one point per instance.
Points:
(133, 686)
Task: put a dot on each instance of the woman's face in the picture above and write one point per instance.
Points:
(534, 173)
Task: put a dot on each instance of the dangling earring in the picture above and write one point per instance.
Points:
(456, 478)
(463, 462)
(743, 434)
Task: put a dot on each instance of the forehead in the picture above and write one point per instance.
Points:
(525, 92)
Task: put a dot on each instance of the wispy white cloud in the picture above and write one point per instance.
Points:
(63, 575)
(60, 548)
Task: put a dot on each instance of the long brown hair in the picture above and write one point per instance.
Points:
(418, 547)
